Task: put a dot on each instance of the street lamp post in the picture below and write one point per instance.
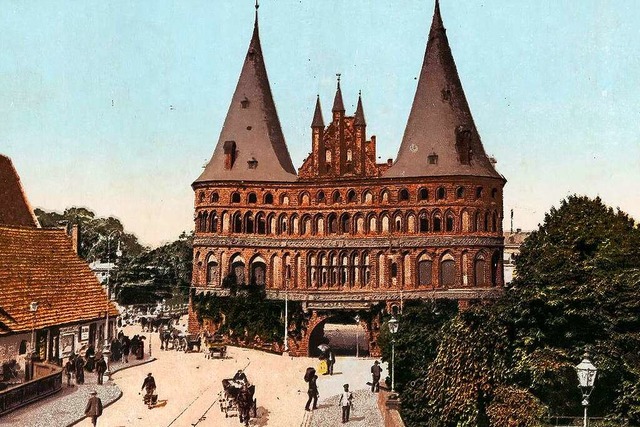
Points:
(286, 315)
(587, 377)
(106, 349)
(357, 319)
(393, 328)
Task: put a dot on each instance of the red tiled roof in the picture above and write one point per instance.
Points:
(40, 265)
(14, 207)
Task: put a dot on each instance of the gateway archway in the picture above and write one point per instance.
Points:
(342, 333)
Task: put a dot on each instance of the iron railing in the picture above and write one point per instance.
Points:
(48, 381)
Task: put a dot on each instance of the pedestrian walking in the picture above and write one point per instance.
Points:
(376, 370)
(90, 354)
(126, 348)
(331, 361)
(69, 367)
(94, 407)
(149, 385)
(345, 402)
(79, 370)
(101, 368)
(313, 393)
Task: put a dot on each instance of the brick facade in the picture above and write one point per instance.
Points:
(348, 227)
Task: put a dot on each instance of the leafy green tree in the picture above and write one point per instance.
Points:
(578, 288)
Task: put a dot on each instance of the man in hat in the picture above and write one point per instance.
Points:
(149, 385)
(345, 403)
(101, 367)
(94, 407)
(376, 370)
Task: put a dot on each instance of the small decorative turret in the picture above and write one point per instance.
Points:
(338, 105)
(318, 121)
(359, 117)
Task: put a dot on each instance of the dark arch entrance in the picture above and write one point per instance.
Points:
(342, 334)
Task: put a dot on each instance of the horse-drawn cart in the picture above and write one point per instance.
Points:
(236, 398)
(217, 351)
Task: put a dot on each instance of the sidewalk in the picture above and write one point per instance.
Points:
(66, 407)
(364, 412)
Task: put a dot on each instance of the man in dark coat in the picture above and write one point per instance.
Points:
(79, 370)
(313, 393)
(69, 368)
(101, 368)
(94, 407)
(376, 370)
(331, 360)
(91, 358)
(126, 347)
(149, 385)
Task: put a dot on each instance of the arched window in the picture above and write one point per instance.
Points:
(384, 196)
(336, 197)
(237, 223)
(283, 224)
(494, 222)
(248, 218)
(212, 273)
(215, 197)
(320, 196)
(403, 195)
(367, 197)
(437, 223)
(305, 200)
(201, 196)
(479, 192)
(441, 193)
(351, 196)
(495, 268)
(332, 224)
(235, 197)
(268, 199)
(344, 223)
(213, 223)
(424, 223)
(423, 194)
(349, 155)
(480, 272)
(261, 224)
(284, 199)
(460, 193)
(394, 270)
(447, 271)
(252, 198)
(449, 222)
(425, 267)
(494, 193)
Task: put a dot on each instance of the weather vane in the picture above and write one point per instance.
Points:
(257, 5)
(338, 75)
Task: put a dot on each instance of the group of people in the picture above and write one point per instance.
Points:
(346, 397)
(77, 365)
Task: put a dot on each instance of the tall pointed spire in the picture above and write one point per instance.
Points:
(440, 137)
(338, 105)
(359, 117)
(318, 121)
(251, 145)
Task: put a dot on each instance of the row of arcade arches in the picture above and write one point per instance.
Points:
(424, 221)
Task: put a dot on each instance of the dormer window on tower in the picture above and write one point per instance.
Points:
(253, 163)
(229, 154)
(244, 103)
(432, 159)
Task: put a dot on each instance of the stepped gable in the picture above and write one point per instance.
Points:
(14, 206)
(39, 264)
(441, 138)
(251, 146)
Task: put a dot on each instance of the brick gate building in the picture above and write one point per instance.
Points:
(344, 232)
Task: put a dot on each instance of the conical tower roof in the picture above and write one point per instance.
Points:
(440, 138)
(252, 124)
(318, 121)
(14, 206)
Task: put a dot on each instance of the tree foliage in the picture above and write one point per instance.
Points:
(245, 314)
(506, 364)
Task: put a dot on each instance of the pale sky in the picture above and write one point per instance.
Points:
(86, 90)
